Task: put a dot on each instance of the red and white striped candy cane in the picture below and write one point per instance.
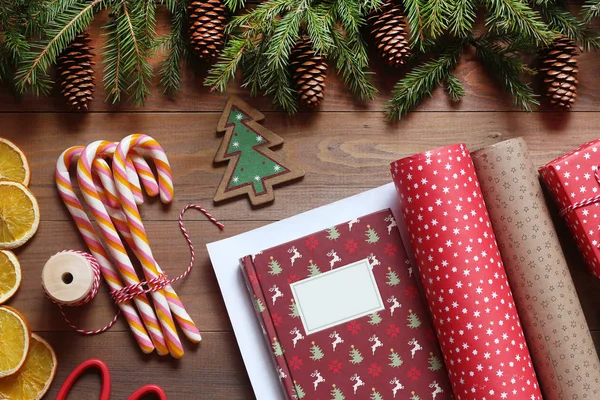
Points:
(66, 192)
(115, 246)
(134, 220)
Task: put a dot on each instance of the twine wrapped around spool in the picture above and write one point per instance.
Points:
(71, 279)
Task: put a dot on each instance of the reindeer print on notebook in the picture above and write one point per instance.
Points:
(294, 256)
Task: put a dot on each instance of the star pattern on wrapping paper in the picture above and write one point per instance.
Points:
(572, 178)
(464, 279)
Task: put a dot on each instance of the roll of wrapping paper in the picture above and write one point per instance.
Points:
(555, 327)
(463, 277)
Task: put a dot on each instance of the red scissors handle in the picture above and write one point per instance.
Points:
(148, 389)
(77, 372)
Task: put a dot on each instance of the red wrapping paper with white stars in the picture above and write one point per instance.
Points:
(572, 180)
(463, 277)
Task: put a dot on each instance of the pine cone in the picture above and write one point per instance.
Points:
(559, 71)
(207, 27)
(75, 73)
(390, 34)
(309, 71)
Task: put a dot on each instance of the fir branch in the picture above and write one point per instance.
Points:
(61, 31)
(352, 69)
(287, 31)
(276, 75)
(226, 66)
(348, 13)
(561, 20)
(114, 78)
(420, 82)
(368, 6)
(435, 13)
(134, 50)
(148, 26)
(53, 9)
(455, 89)
(461, 17)
(516, 17)
(508, 69)
(252, 66)
(414, 16)
(590, 10)
(174, 46)
(319, 23)
(262, 15)
(234, 5)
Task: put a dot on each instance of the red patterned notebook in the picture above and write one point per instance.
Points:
(343, 315)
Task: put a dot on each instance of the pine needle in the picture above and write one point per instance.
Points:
(455, 89)
(420, 82)
(561, 20)
(174, 46)
(590, 10)
(508, 70)
(516, 17)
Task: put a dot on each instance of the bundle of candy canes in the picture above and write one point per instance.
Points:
(113, 194)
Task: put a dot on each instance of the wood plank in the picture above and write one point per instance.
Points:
(342, 153)
(212, 370)
(482, 93)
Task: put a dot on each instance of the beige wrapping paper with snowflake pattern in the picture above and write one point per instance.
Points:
(561, 346)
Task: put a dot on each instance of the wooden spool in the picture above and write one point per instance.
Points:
(67, 278)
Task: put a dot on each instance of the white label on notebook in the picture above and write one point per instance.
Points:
(338, 296)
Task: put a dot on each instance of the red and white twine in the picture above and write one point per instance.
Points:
(129, 292)
(584, 202)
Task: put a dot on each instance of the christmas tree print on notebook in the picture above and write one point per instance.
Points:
(388, 353)
(253, 168)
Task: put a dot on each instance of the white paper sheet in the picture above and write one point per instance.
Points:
(225, 255)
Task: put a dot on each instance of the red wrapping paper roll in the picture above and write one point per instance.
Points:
(463, 276)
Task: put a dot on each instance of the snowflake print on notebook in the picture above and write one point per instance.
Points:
(463, 277)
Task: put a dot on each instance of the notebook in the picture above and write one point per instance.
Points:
(342, 314)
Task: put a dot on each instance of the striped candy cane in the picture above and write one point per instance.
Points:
(137, 170)
(134, 221)
(66, 192)
(163, 339)
(108, 184)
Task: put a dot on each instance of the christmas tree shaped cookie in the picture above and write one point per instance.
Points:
(253, 168)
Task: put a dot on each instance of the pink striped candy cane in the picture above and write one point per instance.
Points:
(134, 221)
(115, 246)
(137, 170)
(108, 184)
(66, 192)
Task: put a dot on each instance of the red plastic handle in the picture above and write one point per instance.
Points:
(148, 389)
(77, 372)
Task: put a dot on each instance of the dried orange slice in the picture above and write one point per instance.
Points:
(19, 214)
(35, 377)
(10, 275)
(14, 345)
(13, 163)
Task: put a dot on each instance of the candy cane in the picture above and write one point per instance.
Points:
(100, 167)
(137, 169)
(66, 192)
(134, 221)
(115, 245)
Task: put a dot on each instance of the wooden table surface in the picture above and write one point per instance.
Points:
(345, 148)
